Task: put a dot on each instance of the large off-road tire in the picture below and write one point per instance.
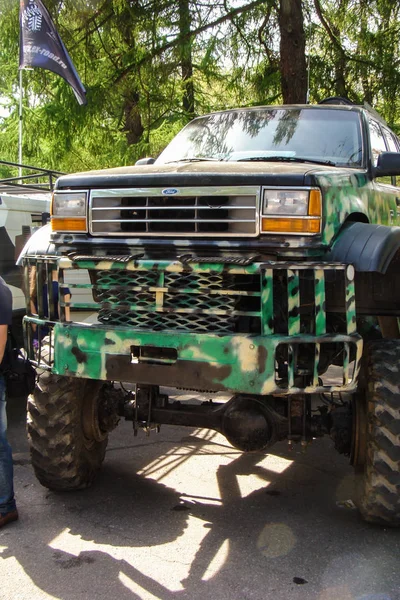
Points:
(67, 445)
(379, 483)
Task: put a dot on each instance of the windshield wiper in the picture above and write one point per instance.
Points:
(193, 159)
(287, 159)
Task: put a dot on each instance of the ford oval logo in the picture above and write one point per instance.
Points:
(169, 192)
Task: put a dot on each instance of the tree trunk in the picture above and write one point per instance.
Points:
(293, 52)
(340, 67)
(133, 126)
(185, 50)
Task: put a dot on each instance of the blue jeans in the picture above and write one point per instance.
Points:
(7, 502)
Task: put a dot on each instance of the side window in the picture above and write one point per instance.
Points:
(392, 146)
(390, 140)
(378, 145)
(377, 140)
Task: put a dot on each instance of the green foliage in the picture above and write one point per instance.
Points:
(357, 43)
(131, 58)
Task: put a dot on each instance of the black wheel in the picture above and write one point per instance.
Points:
(379, 481)
(66, 441)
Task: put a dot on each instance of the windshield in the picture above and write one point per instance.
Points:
(328, 136)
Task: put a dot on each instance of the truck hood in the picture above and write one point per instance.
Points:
(198, 173)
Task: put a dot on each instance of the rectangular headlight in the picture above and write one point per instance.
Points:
(291, 210)
(69, 204)
(285, 202)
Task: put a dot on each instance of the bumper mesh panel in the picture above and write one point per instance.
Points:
(167, 321)
(117, 291)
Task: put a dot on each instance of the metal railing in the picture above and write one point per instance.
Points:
(38, 179)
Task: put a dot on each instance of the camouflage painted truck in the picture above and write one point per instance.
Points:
(257, 256)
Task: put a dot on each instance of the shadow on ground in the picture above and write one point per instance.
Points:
(184, 515)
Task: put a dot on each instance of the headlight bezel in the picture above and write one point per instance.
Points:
(69, 210)
(305, 218)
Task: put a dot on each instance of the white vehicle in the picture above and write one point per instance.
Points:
(20, 215)
(24, 207)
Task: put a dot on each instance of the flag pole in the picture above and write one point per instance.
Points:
(20, 125)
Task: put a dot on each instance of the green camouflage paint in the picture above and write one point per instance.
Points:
(346, 194)
(241, 363)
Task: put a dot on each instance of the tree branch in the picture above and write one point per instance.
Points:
(161, 49)
(261, 40)
(90, 31)
(329, 31)
(336, 42)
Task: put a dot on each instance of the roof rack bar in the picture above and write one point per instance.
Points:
(23, 182)
(39, 169)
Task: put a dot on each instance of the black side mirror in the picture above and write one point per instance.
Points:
(388, 164)
(145, 161)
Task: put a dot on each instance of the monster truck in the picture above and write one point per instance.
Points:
(258, 255)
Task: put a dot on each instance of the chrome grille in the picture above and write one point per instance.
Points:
(200, 212)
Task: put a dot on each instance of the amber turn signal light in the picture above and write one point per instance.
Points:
(70, 224)
(314, 203)
(293, 225)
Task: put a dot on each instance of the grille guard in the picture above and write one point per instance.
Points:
(266, 361)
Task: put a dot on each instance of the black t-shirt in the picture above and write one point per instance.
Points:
(5, 303)
(5, 307)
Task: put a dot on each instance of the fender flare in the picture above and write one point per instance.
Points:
(39, 244)
(368, 247)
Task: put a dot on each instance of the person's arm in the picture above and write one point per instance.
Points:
(5, 315)
(3, 340)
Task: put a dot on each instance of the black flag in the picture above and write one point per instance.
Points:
(41, 46)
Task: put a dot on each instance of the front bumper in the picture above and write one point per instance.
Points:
(145, 306)
(236, 363)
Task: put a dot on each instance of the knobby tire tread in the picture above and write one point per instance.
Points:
(380, 491)
(61, 456)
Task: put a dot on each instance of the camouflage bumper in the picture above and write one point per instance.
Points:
(173, 324)
(235, 363)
